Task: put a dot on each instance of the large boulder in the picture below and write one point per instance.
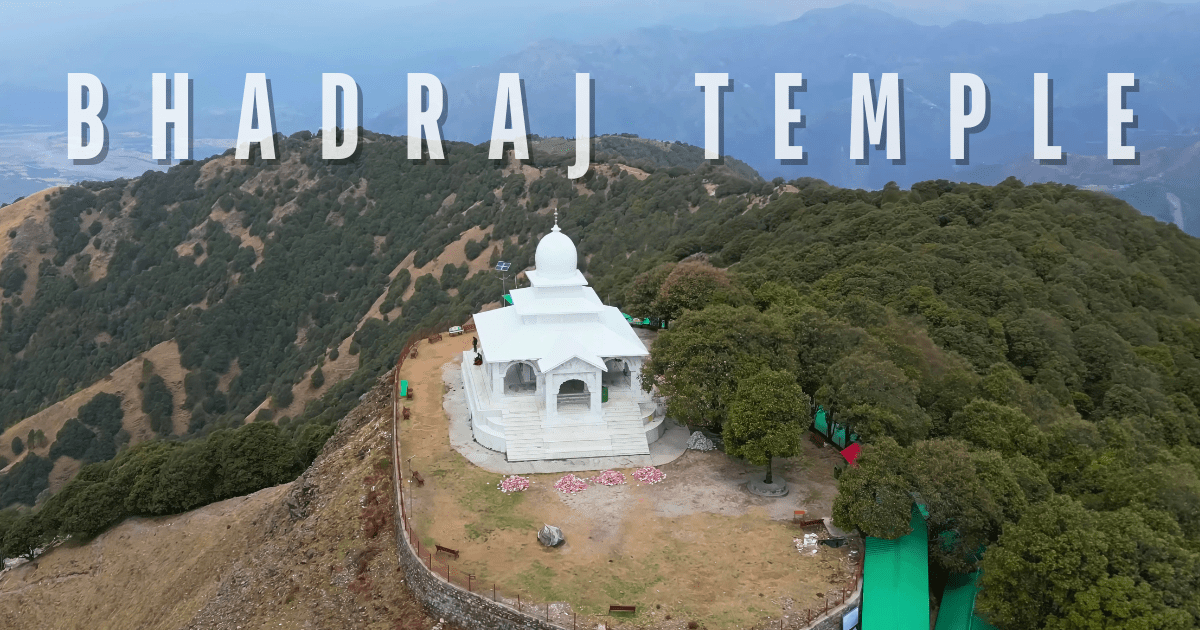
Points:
(551, 536)
(698, 442)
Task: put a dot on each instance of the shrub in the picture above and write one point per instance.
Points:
(317, 379)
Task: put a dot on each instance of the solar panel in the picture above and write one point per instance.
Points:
(502, 266)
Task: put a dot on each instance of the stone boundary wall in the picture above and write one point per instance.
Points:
(444, 600)
(474, 611)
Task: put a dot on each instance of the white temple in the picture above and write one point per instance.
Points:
(560, 375)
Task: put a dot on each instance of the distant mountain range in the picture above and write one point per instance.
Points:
(645, 85)
(1164, 185)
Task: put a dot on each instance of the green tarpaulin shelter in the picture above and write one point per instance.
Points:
(507, 299)
(896, 580)
(958, 604)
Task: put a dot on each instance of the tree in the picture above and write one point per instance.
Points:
(689, 286)
(873, 496)
(252, 457)
(997, 427)
(317, 379)
(93, 509)
(698, 362)
(103, 413)
(968, 495)
(642, 291)
(1064, 566)
(283, 395)
(24, 537)
(880, 399)
(8, 519)
(765, 419)
(158, 404)
(72, 440)
(18, 446)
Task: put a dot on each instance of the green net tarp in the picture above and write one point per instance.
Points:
(958, 604)
(819, 422)
(896, 580)
(839, 437)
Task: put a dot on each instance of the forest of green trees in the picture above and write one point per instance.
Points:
(1026, 359)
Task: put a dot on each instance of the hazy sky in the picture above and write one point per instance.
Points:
(376, 41)
(44, 39)
(25, 16)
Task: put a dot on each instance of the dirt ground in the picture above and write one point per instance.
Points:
(696, 546)
(299, 555)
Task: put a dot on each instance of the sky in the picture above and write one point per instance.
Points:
(375, 41)
(21, 15)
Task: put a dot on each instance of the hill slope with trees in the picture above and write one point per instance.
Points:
(1024, 359)
(267, 275)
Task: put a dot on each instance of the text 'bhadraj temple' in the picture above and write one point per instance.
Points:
(560, 372)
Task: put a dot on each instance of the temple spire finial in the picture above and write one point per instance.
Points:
(556, 220)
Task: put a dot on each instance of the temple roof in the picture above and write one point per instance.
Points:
(505, 336)
(556, 261)
(558, 318)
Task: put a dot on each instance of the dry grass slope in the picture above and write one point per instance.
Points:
(123, 382)
(300, 555)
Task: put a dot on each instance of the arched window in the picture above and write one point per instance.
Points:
(617, 375)
(520, 379)
(574, 394)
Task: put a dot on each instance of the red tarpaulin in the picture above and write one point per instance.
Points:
(851, 453)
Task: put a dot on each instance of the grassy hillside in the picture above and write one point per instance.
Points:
(303, 553)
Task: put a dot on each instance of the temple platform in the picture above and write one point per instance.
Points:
(519, 425)
(571, 445)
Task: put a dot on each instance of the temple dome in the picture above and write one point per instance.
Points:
(556, 257)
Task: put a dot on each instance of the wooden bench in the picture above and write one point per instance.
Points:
(413, 353)
(436, 337)
(417, 477)
(448, 551)
(622, 609)
(407, 413)
(469, 328)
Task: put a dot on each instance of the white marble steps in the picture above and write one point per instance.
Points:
(621, 434)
